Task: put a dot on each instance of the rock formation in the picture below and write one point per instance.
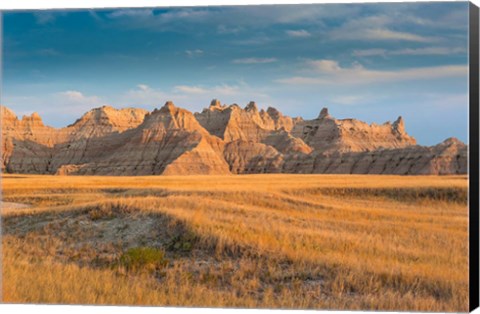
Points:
(219, 140)
(327, 134)
(169, 141)
(232, 123)
(28, 146)
(448, 157)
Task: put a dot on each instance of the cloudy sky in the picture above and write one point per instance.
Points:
(373, 62)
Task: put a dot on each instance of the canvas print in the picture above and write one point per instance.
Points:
(263, 156)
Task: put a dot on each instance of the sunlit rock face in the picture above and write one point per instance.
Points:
(221, 139)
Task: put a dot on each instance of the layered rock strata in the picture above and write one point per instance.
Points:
(219, 140)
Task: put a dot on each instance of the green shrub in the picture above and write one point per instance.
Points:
(101, 212)
(183, 242)
(144, 259)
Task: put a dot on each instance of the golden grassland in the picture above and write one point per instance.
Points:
(276, 241)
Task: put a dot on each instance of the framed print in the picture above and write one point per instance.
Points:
(302, 156)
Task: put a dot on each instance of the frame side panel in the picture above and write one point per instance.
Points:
(474, 157)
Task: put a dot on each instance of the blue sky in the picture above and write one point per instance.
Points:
(373, 62)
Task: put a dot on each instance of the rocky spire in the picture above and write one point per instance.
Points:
(273, 113)
(324, 113)
(252, 106)
(452, 141)
(215, 103)
(33, 120)
(7, 116)
(399, 125)
(168, 107)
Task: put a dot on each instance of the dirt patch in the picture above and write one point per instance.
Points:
(13, 206)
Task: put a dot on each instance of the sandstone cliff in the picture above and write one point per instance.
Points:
(232, 123)
(169, 141)
(328, 134)
(28, 146)
(219, 140)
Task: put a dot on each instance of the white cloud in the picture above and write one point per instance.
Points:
(429, 51)
(94, 15)
(369, 52)
(409, 51)
(174, 19)
(75, 102)
(349, 99)
(223, 29)
(254, 60)
(375, 28)
(260, 39)
(194, 14)
(143, 87)
(227, 90)
(143, 95)
(386, 34)
(325, 72)
(131, 13)
(58, 108)
(241, 16)
(446, 100)
(219, 90)
(301, 33)
(379, 34)
(68, 104)
(78, 98)
(194, 53)
(72, 94)
(65, 106)
(44, 17)
(190, 89)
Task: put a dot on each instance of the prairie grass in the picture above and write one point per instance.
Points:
(276, 241)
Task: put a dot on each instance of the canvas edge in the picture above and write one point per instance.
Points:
(474, 160)
(474, 156)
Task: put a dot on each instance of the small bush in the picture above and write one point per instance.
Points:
(101, 212)
(109, 210)
(143, 259)
(183, 242)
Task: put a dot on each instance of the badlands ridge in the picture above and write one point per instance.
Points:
(219, 140)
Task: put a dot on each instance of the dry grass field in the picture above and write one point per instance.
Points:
(274, 241)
